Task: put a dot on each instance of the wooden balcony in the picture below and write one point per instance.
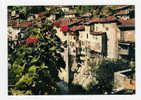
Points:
(123, 51)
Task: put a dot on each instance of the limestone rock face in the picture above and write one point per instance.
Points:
(63, 75)
(84, 76)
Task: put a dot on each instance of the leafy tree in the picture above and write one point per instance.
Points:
(95, 10)
(35, 60)
(104, 70)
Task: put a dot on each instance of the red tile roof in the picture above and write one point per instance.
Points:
(98, 20)
(97, 33)
(74, 21)
(11, 23)
(95, 20)
(87, 14)
(77, 28)
(68, 21)
(122, 12)
(127, 23)
(64, 21)
(101, 20)
(22, 24)
(111, 18)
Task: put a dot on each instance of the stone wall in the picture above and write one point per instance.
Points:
(84, 76)
(96, 43)
(129, 35)
(13, 32)
(121, 81)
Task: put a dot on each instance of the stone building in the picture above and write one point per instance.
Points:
(127, 39)
(98, 43)
(123, 81)
(14, 27)
(90, 36)
(109, 26)
(124, 12)
(70, 14)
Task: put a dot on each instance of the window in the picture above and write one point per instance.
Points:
(91, 28)
(107, 28)
(72, 43)
(122, 36)
(87, 35)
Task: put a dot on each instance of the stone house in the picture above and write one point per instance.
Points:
(70, 14)
(124, 12)
(105, 25)
(98, 43)
(123, 81)
(127, 39)
(117, 33)
(61, 35)
(89, 36)
(102, 35)
(52, 17)
(65, 8)
(127, 28)
(86, 15)
(14, 27)
(64, 74)
(13, 32)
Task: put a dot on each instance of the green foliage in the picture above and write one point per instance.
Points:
(104, 69)
(95, 10)
(33, 68)
(132, 66)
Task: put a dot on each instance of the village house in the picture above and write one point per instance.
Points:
(124, 12)
(123, 80)
(76, 42)
(65, 8)
(64, 38)
(98, 43)
(52, 17)
(127, 39)
(108, 26)
(87, 37)
(13, 31)
(60, 34)
(70, 14)
(14, 27)
(93, 35)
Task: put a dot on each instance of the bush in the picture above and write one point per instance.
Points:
(35, 62)
(104, 69)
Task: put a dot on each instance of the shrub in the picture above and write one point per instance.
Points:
(35, 60)
(64, 29)
(104, 69)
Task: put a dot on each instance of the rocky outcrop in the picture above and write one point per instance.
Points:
(84, 76)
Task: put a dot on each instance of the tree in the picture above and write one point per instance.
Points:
(95, 10)
(35, 60)
(104, 69)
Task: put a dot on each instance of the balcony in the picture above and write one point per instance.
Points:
(123, 51)
(124, 48)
